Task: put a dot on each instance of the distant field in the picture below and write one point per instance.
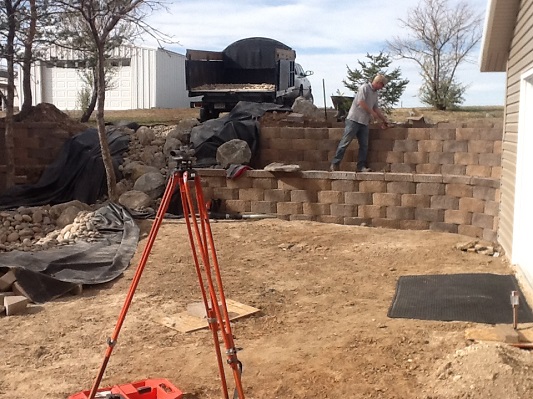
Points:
(434, 116)
(172, 116)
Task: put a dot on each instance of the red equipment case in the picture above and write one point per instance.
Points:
(157, 388)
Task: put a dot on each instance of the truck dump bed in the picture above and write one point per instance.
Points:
(255, 69)
(248, 62)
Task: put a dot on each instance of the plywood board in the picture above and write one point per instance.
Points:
(501, 333)
(194, 319)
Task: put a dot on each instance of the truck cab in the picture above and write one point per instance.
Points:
(302, 86)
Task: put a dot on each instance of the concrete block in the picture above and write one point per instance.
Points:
(19, 291)
(457, 217)
(430, 188)
(415, 200)
(386, 199)
(401, 187)
(15, 304)
(400, 213)
(7, 280)
(429, 214)
(4, 294)
(330, 197)
(77, 290)
(289, 208)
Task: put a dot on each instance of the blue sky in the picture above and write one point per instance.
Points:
(326, 35)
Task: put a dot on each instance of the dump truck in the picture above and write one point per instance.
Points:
(255, 69)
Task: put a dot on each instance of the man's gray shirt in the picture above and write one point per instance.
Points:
(370, 97)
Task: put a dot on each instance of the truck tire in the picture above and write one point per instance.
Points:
(203, 114)
(207, 114)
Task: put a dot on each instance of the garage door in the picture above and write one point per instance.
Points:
(63, 85)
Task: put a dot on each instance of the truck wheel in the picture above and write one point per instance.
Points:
(203, 113)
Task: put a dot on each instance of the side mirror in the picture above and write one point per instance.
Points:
(308, 73)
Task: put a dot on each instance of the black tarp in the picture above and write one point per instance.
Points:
(241, 123)
(45, 275)
(77, 174)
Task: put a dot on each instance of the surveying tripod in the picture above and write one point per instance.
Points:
(206, 264)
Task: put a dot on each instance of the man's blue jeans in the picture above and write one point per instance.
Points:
(352, 130)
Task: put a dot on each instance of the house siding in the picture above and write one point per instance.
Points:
(520, 60)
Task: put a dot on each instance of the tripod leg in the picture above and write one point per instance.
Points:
(171, 185)
(227, 334)
(204, 239)
(209, 303)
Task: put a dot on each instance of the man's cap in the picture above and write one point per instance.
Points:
(380, 79)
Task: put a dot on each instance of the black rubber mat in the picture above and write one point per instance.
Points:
(479, 298)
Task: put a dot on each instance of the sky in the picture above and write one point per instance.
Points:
(327, 36)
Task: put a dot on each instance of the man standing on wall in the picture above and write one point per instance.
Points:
(364, 106)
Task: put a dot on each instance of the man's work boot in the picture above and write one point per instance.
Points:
(364, 169)
(334, 167)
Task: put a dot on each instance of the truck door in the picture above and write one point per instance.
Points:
(285, 74)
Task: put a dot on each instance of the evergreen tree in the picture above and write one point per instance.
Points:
(380, 63)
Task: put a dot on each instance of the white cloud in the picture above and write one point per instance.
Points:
(327, 35)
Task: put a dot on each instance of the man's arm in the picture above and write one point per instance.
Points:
(364, 105)
(378, 114)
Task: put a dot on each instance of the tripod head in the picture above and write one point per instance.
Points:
(184, 157)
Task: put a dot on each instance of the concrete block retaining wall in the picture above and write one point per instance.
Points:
(443, 178)
(37, 144)
(456, 204)
(472, 150)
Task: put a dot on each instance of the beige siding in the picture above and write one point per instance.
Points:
(520, 60)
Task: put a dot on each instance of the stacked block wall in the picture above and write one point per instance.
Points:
(443, 178)
(37, 144)
(471, 150)
(456, 204)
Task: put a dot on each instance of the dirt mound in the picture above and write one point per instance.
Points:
(45, 112)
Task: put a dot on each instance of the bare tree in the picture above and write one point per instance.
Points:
(75, 34)
(20, 21)
(105, 20)
(9, 28)
(439, 39)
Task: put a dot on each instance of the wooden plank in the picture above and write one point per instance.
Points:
(193, 319)
(502, 333)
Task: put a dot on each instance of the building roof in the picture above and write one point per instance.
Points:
(500, 21)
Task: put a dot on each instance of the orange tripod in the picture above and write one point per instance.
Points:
(207, 269)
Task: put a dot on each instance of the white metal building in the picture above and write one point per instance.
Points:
(144, 78)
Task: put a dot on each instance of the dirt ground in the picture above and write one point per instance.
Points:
(323, 332)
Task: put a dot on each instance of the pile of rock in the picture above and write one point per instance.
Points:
(147, 163)
(145, 168)
(39, 228)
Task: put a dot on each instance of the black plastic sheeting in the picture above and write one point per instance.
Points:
(77, 174)
(46, 275)
(241, 123)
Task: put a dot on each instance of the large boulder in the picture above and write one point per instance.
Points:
(234, 152)
(153, 184)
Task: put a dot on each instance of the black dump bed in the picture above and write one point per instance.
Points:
(255, 60)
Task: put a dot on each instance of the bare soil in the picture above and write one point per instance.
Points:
(323, 332)
(323, 291)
